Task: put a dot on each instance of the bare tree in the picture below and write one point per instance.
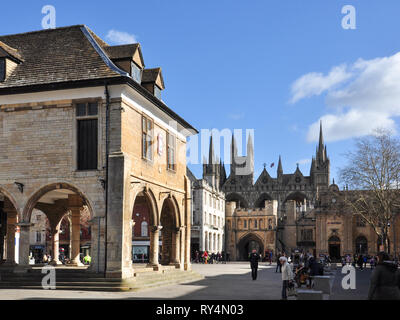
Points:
(373, 173)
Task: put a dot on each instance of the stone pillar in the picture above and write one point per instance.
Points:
(25, 228)
(176, 246)
(55, 240)
(10, 238)
(187, 222)
(75, 205)
(75, 236)
(154, 246)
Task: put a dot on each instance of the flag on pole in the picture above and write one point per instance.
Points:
(272, 164)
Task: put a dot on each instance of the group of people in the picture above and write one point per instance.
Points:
(46, 258)
(384, 282)
(360, 260)
(206, 258)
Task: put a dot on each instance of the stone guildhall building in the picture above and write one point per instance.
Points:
(83, 127)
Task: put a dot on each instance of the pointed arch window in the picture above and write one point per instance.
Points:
(144, 229)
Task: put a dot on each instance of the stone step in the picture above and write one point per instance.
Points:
(102, 284)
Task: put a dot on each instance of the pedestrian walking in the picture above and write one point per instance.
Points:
(278, 264)
(254, 258)
(287, 276)
(385, 280)
(360, 262)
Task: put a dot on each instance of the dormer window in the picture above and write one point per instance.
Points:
(2, 70)
(157, 92)
(136, 72)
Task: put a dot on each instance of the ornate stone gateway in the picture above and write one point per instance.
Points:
(247, 244)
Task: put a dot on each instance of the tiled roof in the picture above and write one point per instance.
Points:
(66, 57)
(55, 55)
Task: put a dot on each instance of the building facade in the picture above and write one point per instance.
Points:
(305, 210)
(83, 127)
(208, 207)
(294, 194)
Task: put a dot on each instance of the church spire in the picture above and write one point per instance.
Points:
(280, 170)
(321, 149)
(211, 152)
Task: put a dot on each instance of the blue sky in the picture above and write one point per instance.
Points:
(276, 66)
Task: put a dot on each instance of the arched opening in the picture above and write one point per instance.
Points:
(170, 234)
(238, 199)
(143, 218)
(68, 232)
(41, 249)
(361, 245)
(260, 203)
(300, 199)
(9, 237)
(247, 244)
(334, 248)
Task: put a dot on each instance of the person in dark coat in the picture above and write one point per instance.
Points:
(360, 262)
(254, 257)
(385, 280)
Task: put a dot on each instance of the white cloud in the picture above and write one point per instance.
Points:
(120, 37)
(313, 84)
(367, 97)
(304, 161)
(348, 125)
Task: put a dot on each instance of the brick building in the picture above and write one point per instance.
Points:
(83, 127)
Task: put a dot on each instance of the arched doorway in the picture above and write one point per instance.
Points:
(249, 243)
(63, 201)
(361, 245)
(334, 248)
(170, 234)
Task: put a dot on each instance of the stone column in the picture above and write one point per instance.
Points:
(154, 246)
(176, 246)
(75, 236)
(75, 205)
(55, 240)
(10, 238)
(187, 223)
(25, 228)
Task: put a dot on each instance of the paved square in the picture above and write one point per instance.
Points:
(230, 281)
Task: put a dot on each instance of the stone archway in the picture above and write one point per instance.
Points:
(9, 218)
(260, 202)
(169, 221)
(247, 243)
(56, 201)
(240, 200)
(144, 220)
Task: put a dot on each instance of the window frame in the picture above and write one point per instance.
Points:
(139, 72)
(171, 166)
(84, 117)
(147, 134)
